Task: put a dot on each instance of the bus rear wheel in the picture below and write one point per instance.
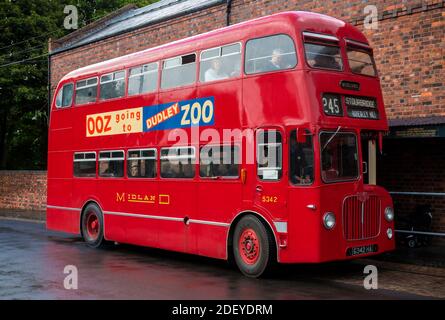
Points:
(92, 226)
(253, 247)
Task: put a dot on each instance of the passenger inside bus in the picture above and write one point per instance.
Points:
(104, 169)
(134, 169)
(215, 71)
(325, 58)
(302, 160)
(328, 172)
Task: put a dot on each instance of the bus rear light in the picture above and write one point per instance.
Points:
(282, 239)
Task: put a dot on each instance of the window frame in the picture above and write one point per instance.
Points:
(180, 157)
(87, 86)
(219, 57)
(257, 164)
(111, 159)
(155, 157)
(85, 160)
(321, 156)
(162, 68)
(271, 71)
(361, 47)
(110, 81)
(129, 76)
(307, 133)
(325, 40)
(222, 145)
(61, 91)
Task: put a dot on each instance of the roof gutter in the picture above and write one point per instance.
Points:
(180, 14)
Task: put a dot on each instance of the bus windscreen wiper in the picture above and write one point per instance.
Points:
(330, 139)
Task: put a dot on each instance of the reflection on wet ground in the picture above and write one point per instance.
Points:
(32, 261)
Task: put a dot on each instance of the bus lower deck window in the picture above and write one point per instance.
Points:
(301, 162)
(141, 163)
(84, 164)
(219, 161)
(111, 164)
(269, 155)
(339, 156)
(178, 162)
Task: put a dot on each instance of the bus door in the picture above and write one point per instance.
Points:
(270, 186)
(303, 197)
(219, 196)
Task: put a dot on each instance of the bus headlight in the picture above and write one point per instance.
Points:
(389, 214)
(389, 233)
(329, 220)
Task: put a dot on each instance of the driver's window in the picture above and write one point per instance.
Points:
(301, 163)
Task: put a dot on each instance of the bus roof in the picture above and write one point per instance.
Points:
(300, 21)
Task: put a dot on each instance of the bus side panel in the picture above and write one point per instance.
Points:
(63, 220)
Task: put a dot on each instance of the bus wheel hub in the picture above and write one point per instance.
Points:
(249, 246)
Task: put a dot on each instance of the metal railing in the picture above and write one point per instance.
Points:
(433, 194)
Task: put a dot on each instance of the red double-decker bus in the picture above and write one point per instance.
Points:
(255, 142)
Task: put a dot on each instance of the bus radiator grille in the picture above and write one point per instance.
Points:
(361, 218)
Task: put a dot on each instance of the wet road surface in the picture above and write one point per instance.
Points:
(32, 261)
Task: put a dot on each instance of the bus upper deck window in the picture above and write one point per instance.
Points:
(322, 51)
(361, 62)
(112, 85)
(220, 63)
(86, 91)
(269, 155)
(143, 79)
(301, 163)
(179, 71)
(65, 96)
(271, 53)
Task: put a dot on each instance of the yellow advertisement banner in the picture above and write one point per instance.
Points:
(115, 122)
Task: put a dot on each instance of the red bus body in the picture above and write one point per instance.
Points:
(198, 215)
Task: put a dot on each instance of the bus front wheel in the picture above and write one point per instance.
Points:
(253, 247)
(93, 226)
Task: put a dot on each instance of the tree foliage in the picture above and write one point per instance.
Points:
(25, 27)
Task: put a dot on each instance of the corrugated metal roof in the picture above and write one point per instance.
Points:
(140, 17)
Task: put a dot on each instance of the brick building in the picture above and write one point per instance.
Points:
(409, 48)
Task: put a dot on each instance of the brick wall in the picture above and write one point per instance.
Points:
(409, 44)
(23, 190)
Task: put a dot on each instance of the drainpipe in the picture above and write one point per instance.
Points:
(229, 8)
(49, 89)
